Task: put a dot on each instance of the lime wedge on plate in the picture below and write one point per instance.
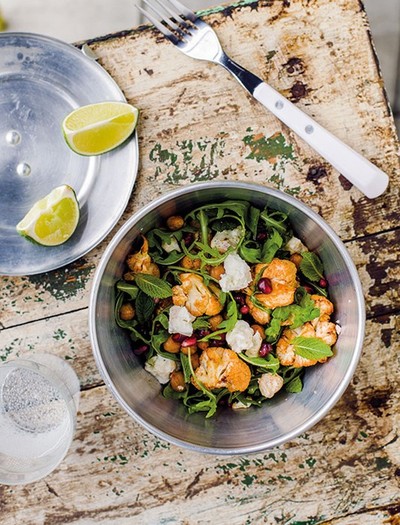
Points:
(98, 128)
(52, 220)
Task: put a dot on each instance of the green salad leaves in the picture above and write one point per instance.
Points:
(182, 266)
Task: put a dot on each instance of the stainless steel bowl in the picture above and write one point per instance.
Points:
(241, 431)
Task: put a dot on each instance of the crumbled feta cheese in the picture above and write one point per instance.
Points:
(226, 239)
(238, 405)
(270, 384)
(171, 245)
(237, 273)
(180, 321)
(160, 368)
(243, 338)
(294, 245)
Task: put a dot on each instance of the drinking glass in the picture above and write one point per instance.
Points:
(39, 399)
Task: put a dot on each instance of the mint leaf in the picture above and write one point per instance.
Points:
(153, 286)
(311, 266)
(144, 307)
(311, 347)
(297, 314)
(127, 288)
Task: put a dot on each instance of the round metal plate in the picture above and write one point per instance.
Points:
(42, 80)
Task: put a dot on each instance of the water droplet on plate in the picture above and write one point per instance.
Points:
(24, 169)
(13, 137)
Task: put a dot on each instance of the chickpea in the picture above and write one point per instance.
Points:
(171, 346)
(217, 271)
(129, 276)
(215, 321)
(195, 360)
(185, 349)
(258, 329)
(175, 222)
(190, 264)
(203, 345)
(177, 381)
(127, 312)
(296, 259)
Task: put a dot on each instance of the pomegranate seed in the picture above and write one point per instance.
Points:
(188, 341)
(244, 309)
(178, 338)
(188, 238)
(240, 298)
(202, 332)
(265, 349)
(261, 236)
(308, 289)
(265, 285)
(140, 349)
(323, 283)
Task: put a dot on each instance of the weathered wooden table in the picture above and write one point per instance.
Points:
(198, 124)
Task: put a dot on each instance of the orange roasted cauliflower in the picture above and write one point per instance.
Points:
(222, 368)
(320, 327)
(141, 262)
(195, 295)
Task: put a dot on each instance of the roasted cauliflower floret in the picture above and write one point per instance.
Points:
(261, 316)
(141, 262)
(282, 274)
(285, 350)
(270, 384)
(320, 327)
(195, 295)
(324, 304)
(222, 368)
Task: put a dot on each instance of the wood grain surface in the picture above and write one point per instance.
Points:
(197, 123)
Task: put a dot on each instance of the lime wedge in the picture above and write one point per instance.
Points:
(52, 220)
(98, 128)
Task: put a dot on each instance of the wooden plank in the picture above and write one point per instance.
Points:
(347, 465)
(199, 124)
(27, 299)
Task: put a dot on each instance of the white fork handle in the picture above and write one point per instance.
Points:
(357, 169)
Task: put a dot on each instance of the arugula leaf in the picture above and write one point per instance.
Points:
(200, 322)
(211, 404)
(144, 307)
(185, 367)
(311, 347)
(153, 286)
(294, 386)
(311, 266)
(270, 362)
(273, 330)
(127, 288)
(169, 393)
(253, 217)
(226, 223)
(271, 246)
(275, 220)
(250, 252)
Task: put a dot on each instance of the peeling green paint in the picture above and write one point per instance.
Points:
(310, 521)
(248, 479)
(382, 463)
(64, 283)
(191, 161)
(269, 149)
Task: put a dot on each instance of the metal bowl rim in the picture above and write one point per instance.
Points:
(308, 423)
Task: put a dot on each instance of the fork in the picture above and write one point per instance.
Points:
(191, 35)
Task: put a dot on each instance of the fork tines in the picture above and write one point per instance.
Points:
(175, 25)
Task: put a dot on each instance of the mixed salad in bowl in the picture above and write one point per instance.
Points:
(225, 306)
